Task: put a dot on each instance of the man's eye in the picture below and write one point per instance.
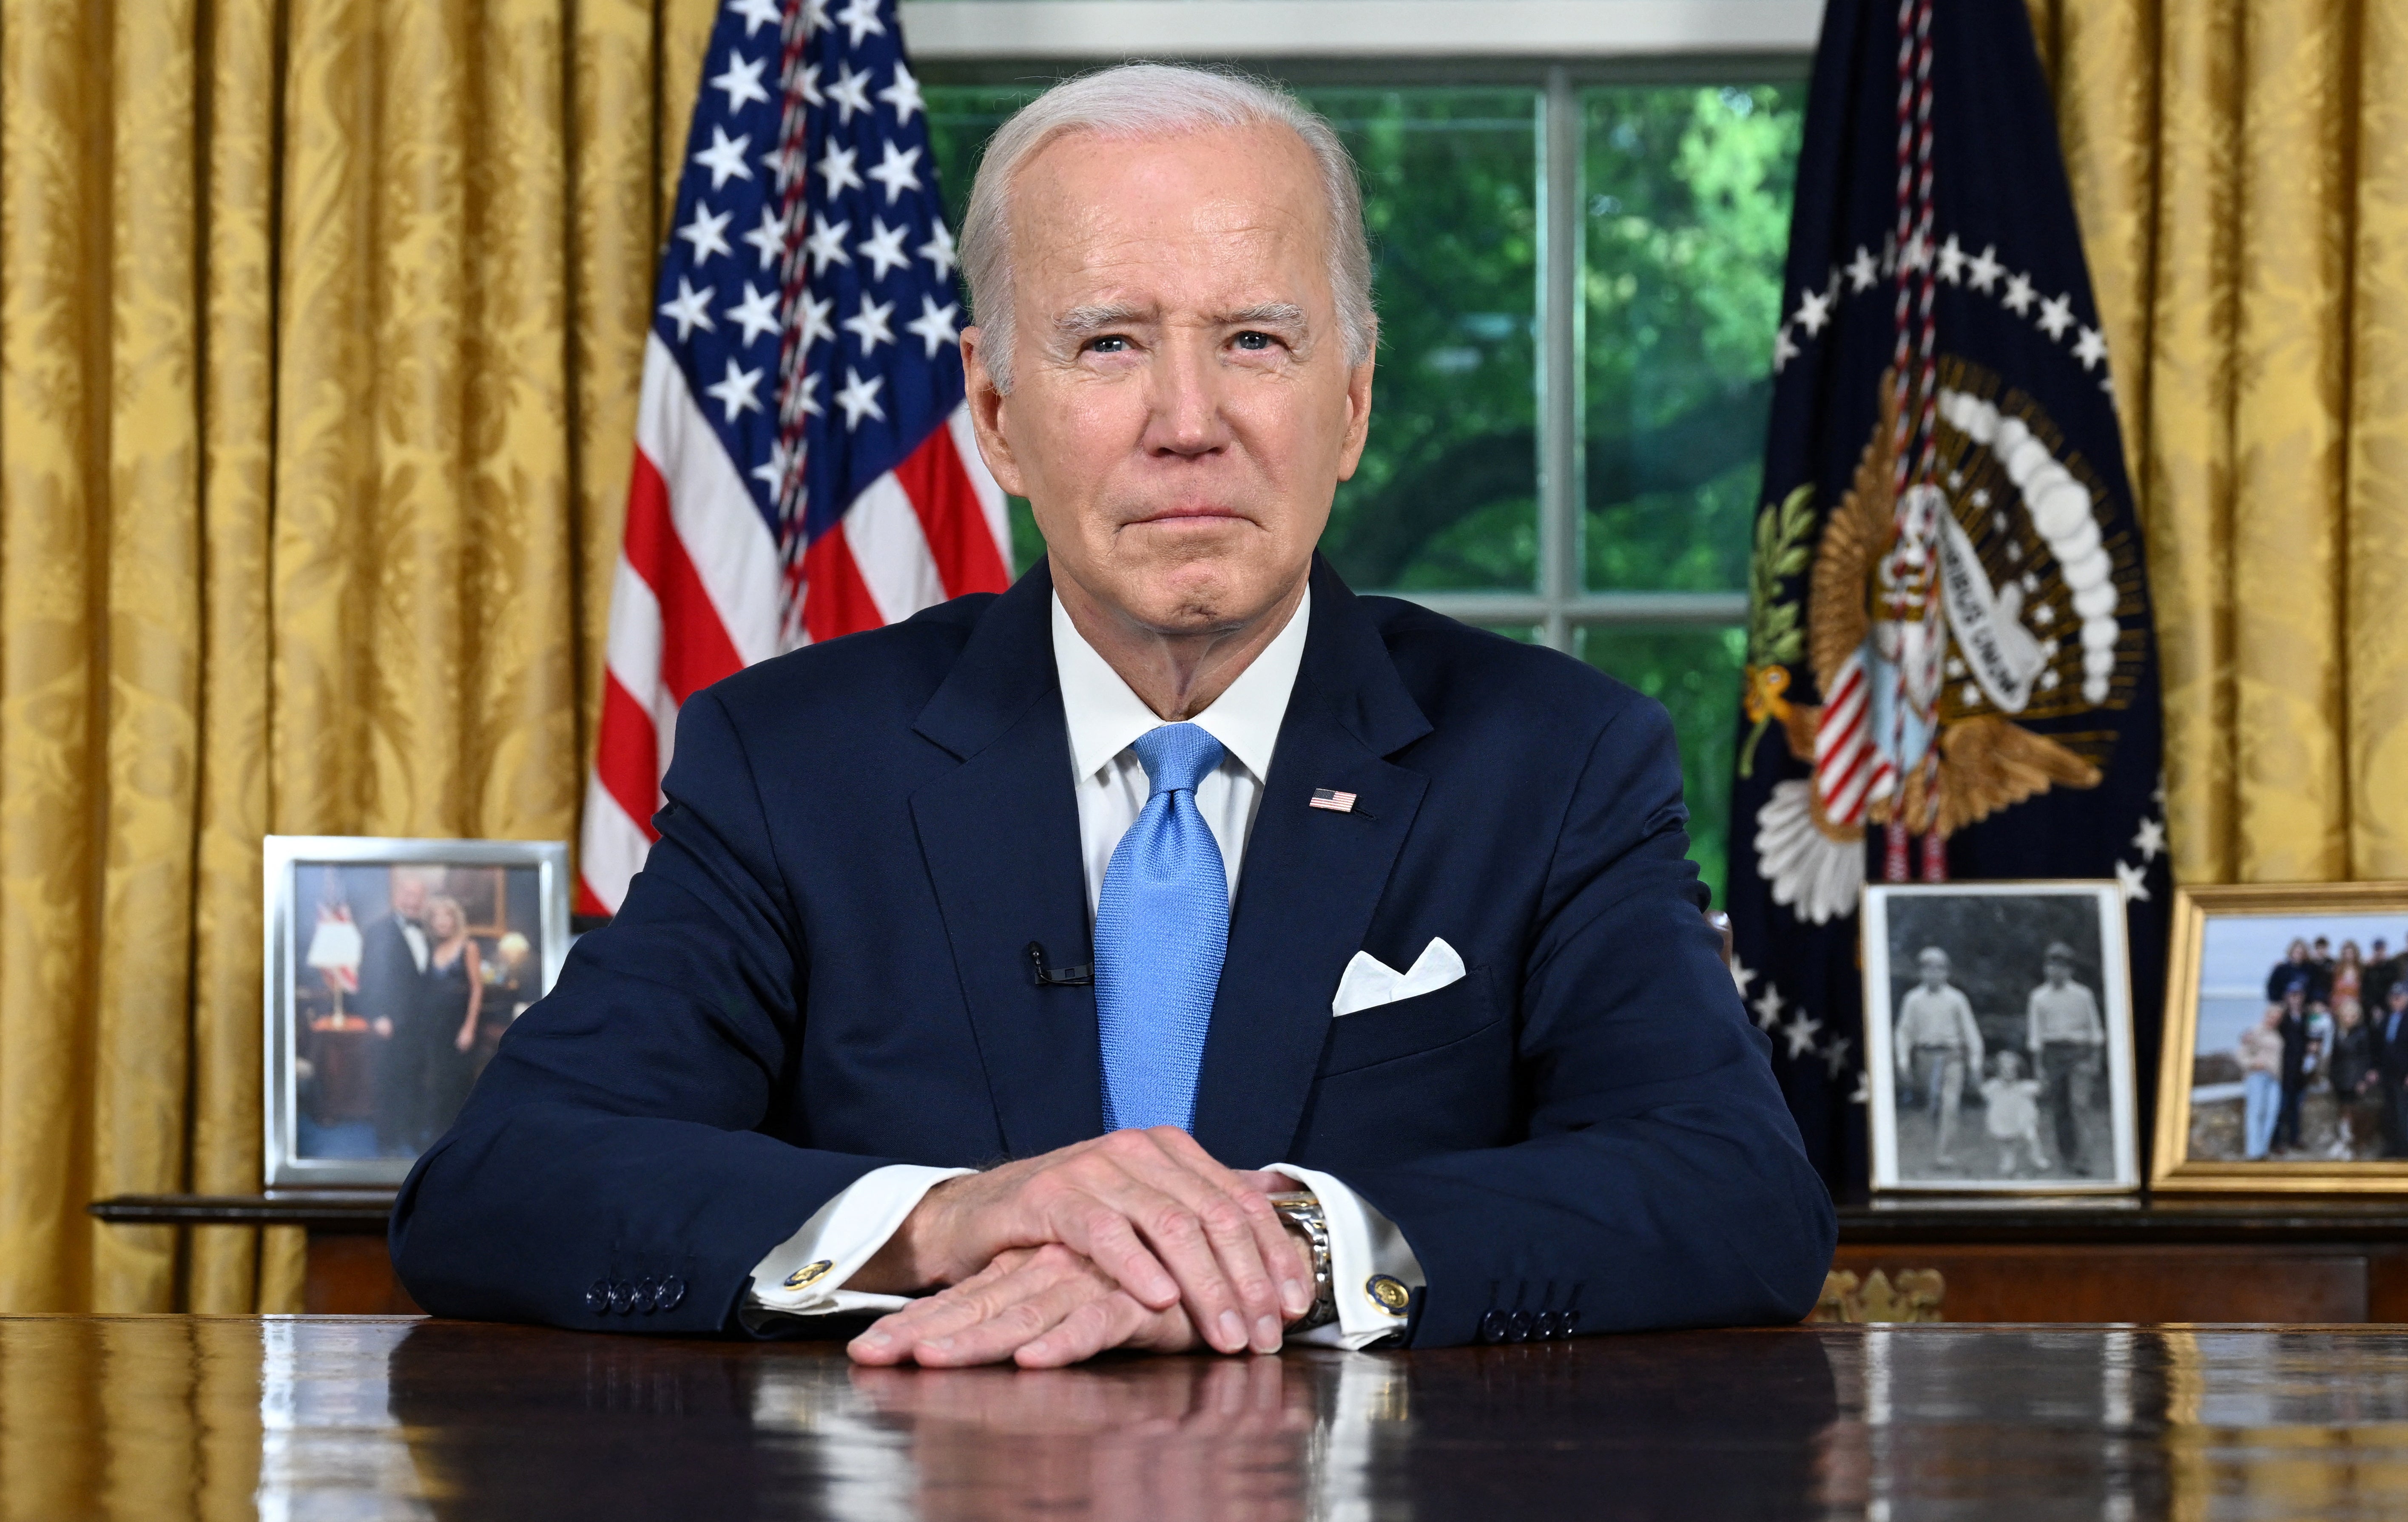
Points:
(1253, 341)
(1108, 344)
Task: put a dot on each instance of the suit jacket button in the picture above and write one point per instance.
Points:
(670, 1290)
(645, 1290)
(621, 1295)
(1493, 1326)
(1564, 1322)
(598, 1297)
(1542, 1326)
(1520, 1329)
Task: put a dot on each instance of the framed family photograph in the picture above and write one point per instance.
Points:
(1998, 1039)
(393, 968)
(2286, 1041)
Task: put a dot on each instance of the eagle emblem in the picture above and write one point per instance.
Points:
(1931, 629)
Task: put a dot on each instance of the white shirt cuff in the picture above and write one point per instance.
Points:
(1364, 1245)
(805, 1275)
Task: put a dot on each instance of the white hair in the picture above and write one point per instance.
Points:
(1141, 101)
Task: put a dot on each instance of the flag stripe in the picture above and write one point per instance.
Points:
(890, 549)
(734, 557)
(953, 519)
(627, 758)
(840, 601)
(982, 482)
(700, 652)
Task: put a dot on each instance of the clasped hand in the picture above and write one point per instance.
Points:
(1137, 1239)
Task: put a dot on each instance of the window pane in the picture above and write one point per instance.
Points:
(1696, 674)
(1447, 494)
(1688, 220)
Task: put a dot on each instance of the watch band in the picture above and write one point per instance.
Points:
(1301, 1211)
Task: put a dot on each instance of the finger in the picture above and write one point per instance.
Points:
(1238, 1229)
(890, 1338)
(1122, 1216)
(1111, 1322)
(1249, 1190)
(1015, 1325)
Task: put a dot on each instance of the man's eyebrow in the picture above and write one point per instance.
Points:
(1086, 322)
(1269, 314)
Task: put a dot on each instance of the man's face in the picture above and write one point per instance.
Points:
(1935, 972)
(409, 897)
(2058, 973)
(1182, 410)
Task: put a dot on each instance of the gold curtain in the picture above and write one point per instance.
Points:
(2240, 170)
(319, 329)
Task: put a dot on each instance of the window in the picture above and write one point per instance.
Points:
(1578, 278)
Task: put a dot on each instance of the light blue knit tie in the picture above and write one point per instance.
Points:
(1162, 928)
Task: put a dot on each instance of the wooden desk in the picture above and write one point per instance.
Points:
(359, 1417)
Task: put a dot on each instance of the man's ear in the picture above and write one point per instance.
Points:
(986, 413)
(1358, 420)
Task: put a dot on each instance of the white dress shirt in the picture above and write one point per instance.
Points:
(1105, 719)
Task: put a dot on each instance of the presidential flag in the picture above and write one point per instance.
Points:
(1951, 671)
(804, 466)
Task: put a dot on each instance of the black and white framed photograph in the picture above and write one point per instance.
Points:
(1999, 1038)
(393, 966)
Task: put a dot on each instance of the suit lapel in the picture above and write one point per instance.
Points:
(1310, 882)
(1000, 838)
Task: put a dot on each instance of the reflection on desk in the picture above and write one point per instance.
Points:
(358, 1418)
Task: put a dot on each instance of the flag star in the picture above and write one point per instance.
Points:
(826, 244)
(859, 397)
(868, 324)
(742, 80)
(690, 310)
(903, 95)
(895, 170)
(860, 18)
(883, 248)
(2056, 316)
(772, 474)
(725, 158)
(1742, 974)
(806, 85)
(756, 14)
(938, 249)
(837, 168)
(935, 324)
(2151, 841)
(851, 93)
(1918, 251)
(757, 312)
(1801, 1034)
(815, 313)
(1985, 268)
(707, 233)
(2129, 881)
(1862, 272)
(736, 391)
(1951, 262)
(1783, 350)
(1864, 1093)
(2091, 347)
(1835, 1056)
(1813, 311)
(1768, 1006)
(2018, 298)
(770, 238)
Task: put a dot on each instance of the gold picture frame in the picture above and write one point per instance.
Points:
(2263, 911)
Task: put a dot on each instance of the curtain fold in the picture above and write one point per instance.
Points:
(2240, 170)
(319, 322)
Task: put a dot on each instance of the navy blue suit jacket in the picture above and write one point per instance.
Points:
(822, 969)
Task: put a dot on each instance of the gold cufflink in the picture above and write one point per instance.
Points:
(810, 1274)
(1389, 1293)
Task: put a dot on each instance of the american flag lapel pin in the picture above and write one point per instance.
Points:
(1333, 800)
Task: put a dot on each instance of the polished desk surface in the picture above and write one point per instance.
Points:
(372, 1417)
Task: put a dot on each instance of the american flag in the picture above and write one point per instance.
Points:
(804, 466)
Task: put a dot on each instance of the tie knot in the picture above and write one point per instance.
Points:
(1176, 757)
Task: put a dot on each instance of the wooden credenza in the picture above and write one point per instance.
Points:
(2266, 1261)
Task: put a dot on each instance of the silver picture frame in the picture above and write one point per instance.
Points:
(309, 883)
(1998, 938)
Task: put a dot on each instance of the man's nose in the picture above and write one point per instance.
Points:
(1185, 418)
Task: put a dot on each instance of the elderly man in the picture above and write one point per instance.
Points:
(1175, 951)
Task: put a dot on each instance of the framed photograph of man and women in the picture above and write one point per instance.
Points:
(393, 968)
(1998, 1039)
(2287, 1040)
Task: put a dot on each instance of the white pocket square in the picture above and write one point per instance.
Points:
(1370, 982)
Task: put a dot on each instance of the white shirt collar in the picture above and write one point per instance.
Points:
(1106, 716)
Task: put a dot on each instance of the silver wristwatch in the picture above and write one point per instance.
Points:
(1301, 1212)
